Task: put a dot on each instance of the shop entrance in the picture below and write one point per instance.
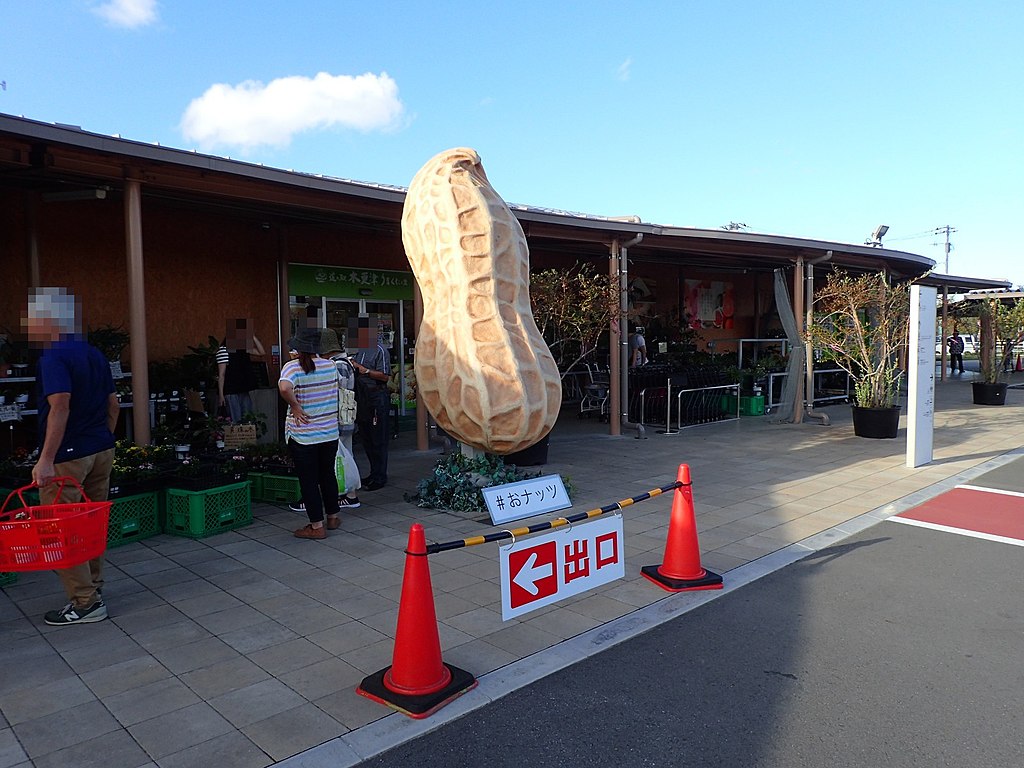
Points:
(337, 314)
(335, 297)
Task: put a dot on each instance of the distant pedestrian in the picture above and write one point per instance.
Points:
(637, 348)
(955, 344)
(78, 410)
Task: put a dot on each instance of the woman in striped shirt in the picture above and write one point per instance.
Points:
(309, 384)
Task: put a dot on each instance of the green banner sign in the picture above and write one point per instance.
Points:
(349, 282)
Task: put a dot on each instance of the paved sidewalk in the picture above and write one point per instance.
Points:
(244, 649)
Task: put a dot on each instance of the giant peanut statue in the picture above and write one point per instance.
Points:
(486, 375)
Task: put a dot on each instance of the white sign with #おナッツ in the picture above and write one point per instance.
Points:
(527, 498)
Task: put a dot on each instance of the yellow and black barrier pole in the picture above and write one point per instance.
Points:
(472, 541)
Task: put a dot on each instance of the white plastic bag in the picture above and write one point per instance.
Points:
(346, 470)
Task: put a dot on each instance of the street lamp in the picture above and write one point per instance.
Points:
(875, 241)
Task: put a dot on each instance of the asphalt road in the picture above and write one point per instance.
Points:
(900, 647)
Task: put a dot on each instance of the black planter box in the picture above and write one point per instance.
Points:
(989, 394)
(879, 423)
(533, 456)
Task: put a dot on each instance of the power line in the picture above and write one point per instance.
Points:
(916, 236)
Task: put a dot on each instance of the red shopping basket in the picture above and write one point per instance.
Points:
(47, 536)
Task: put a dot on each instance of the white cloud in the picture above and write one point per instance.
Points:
(622, 73)
(127, 13)
(252, 114)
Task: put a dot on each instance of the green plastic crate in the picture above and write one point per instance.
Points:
(6, 579)
(750, 405)
(133, 518)
(279, 489)
(197, 514)
(32, 497)
(256, 485)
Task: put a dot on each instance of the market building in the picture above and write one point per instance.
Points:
(171, 245)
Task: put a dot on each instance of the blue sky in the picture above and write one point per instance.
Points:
(805, 118)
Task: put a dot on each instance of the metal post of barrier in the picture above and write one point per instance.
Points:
(706, 404)
(771, 402)
(668, 410)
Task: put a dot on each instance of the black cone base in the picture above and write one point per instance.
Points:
(708, 581)
(416, 707)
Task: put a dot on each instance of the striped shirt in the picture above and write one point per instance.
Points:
(317, 393)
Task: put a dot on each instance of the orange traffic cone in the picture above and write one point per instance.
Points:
(1018, 367)
(418, 682)
(682, 571)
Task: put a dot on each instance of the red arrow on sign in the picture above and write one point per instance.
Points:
(533, 573)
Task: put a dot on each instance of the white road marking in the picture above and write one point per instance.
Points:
(959, 531)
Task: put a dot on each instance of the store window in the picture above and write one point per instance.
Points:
(335, 297)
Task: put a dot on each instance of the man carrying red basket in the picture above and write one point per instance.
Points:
(78, 411)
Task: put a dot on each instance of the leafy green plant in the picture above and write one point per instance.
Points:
(1002, 325)
(270, 457)
(135, 463)
(573, 308)
(199, 367)
(110, 340)
(258, 419)
(457, 479)
(861, 323)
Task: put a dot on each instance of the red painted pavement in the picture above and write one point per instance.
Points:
(997, 514)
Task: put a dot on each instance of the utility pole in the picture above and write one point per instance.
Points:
(947, 230)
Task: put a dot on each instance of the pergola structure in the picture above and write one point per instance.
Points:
(950, 284)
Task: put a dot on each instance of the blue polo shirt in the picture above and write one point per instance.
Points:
(71, 365)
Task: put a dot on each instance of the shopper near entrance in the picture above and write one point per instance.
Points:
(309, 384)
(955, 344)
(637, 348)
(373, 401)
(235, 376)
(78, 411)
(331, 349)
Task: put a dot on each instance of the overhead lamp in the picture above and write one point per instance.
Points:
(876, 237)
(97, 193)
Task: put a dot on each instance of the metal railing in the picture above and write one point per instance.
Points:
(824, 391)
(693, 407)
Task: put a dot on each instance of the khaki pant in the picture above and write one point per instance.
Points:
(93, 474)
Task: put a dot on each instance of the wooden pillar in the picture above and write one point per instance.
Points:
(422, 431)
(614, 350)
(987, 341)
(31, 208)
(139, 356)
(283, 300)
(798, 314)
(942, 332)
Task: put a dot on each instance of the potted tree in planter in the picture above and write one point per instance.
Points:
(572, 309)
(862, 323)
(1002, 326)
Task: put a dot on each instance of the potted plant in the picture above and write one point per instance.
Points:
(861, 323)
(1002, 326)
(110, 340)
(573, 309)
